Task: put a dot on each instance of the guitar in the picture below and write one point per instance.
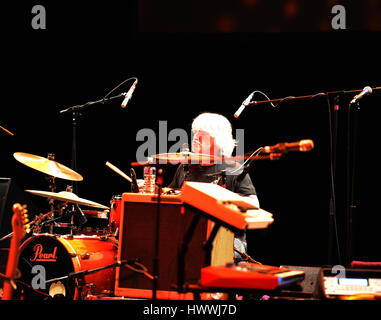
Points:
(20, 228)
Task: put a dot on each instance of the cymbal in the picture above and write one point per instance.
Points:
(184, 157)
(67, 196)
(47, 166)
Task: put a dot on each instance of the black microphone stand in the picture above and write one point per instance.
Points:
(333, 135)
(76, 113)
(159, 183)
(352, 171)
(352, 175)
(79, 275)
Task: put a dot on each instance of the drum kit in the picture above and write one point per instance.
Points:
(68, 202)
(72, 248)
(77, 240)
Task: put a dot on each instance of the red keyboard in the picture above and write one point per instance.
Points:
(247, 275)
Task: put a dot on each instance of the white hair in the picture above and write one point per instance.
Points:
(219, 128)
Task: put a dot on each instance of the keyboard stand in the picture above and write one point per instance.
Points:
(182, 252)
(208, 245)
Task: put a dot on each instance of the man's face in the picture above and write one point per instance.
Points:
(204, 143)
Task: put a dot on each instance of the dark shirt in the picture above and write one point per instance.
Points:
(199, 173)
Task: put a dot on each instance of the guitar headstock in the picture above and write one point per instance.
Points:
(20, 221)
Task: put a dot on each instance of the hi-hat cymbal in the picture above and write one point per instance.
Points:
(184, 157)
(47, 166)
(66, 196)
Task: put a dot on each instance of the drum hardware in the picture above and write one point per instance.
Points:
(52, 187)
(38, 221)
(51, 179)
(62, 211)
(70, 211)
(81, 256)
(35, 224)
(69, 206)
(76, 210)
(114, 218)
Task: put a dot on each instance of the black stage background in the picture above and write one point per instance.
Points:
(86, 50)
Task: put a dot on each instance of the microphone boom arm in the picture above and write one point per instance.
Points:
(309, 96)
(91, 103)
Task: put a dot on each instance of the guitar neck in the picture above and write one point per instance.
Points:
(19, 230)
(11, 269)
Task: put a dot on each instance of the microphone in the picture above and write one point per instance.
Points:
(134, 183)
(81, 216)
(364, 92)
(129, 94)
(284, 147)
(243, 105)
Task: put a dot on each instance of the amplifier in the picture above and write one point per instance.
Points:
(137, 242)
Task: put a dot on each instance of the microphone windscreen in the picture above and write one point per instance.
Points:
(306, 145)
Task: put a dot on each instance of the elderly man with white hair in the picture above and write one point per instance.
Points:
(212, 135)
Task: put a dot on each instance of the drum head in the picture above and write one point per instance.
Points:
(45, 254)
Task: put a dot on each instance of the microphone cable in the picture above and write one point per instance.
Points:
(120, 84)
(332, 146)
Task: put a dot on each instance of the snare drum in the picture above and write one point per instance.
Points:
(97, 223)
(116, 207)
(61, 255)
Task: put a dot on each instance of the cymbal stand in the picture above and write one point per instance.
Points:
(50, 222)
(52, 187)
(35, 224)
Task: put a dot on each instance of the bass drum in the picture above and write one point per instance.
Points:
(45, 257)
